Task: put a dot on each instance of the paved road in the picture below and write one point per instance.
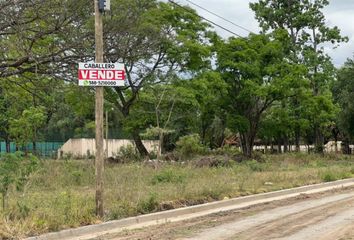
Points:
(326, 216)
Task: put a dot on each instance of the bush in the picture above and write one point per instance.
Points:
(149, 205)
(329, 177)
(128, 153)
(189, 146)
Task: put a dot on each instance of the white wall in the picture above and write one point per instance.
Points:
(82, 147)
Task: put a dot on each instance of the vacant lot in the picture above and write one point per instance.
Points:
(61, 194)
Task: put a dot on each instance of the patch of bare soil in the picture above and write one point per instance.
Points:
(286, 219)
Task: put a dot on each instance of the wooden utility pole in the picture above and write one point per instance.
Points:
(107, 128)
(99, 162)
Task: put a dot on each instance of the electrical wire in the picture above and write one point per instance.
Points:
(210, 21)
(217, 15)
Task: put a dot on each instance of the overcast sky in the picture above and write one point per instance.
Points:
(339, 13)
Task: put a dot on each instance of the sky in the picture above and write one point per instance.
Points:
(339, 13)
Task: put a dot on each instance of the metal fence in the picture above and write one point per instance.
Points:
(43, 149)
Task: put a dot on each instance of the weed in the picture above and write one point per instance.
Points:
(256, 166)
(329, 177)
(168, 176)
(61, 194)
(148, 205)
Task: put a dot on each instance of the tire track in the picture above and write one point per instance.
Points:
(255, 227)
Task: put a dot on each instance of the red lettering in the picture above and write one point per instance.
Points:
(94, 75)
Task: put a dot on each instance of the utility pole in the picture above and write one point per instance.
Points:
(99, 161)
(107, 128)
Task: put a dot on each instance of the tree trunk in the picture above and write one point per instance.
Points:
(159, 150)
(319, 141)
(279, 146)
(297, 139)
(139, 144)
(8, 145)
(272, 147)
(286, 144)
(345, 146)
(34, 143)
(247, 142)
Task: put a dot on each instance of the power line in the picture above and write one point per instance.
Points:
(215, 24)
(217, 15)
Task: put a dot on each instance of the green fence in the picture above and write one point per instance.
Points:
(43, 149)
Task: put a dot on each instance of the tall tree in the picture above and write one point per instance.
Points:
(305, 23)
(257, 76)
(343, 92)
(154, 40)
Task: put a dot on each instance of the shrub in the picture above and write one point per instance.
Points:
(148, 205)
(227, 150)
(15, 170)
(329, 177)
(189, 145)
(168, 176)
(128, 153)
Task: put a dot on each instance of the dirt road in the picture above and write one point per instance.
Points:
(326, 216)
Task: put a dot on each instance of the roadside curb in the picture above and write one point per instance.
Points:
(92, 231)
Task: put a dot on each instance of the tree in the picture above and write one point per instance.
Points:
(257, 75)
(210, 92)
(163, 114)
(305, 24)
(4, 118)
(164, 110)
(343, 92)
(25, 128)
(35, 38)
(154, 40)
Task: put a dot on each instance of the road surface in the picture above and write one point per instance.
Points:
(322, 216)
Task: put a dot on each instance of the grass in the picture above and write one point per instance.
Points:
(61, 194)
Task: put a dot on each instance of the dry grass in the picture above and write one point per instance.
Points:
(61, 194)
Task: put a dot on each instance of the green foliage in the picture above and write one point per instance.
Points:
(344, 93)
(15, 170)
(329, 177)
(128, 153)
(189, 145)
(168, 176)
(24, 129)
(256, 166)
(311, 108)
(54, 200)
(167, 40)
(257, 76)
(227, 150)
(148, 205)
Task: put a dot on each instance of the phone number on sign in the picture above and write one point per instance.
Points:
(100, 83)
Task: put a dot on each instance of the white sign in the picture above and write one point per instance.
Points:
(101, 74)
